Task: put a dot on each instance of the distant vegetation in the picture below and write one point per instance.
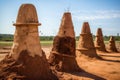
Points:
(106, 38)
(7, 40)
(6, 37)
(9, 37)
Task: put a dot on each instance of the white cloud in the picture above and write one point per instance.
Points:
(93, 15)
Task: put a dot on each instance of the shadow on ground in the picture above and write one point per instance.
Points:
(88, 75)
(104, 59)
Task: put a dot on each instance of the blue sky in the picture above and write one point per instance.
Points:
(99, 13)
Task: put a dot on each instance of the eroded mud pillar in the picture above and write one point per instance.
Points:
(111, 45)
(85, 43)
(26, 60)
(99, 41)
(62, 56)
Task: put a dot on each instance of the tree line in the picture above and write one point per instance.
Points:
(9, 37)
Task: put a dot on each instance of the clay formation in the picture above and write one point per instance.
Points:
(111, 45)
(85, 43)
(62, 56)
(99, 42)
(26, 60)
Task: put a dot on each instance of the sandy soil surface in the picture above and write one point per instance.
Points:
(93, 69)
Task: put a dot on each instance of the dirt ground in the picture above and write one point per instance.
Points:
(93, 69)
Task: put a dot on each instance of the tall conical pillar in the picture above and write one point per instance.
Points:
(26, 60)
(85, 43)
(111, 45)
(62, 56)
(99, 42)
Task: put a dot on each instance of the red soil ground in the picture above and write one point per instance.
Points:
(93, 69)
